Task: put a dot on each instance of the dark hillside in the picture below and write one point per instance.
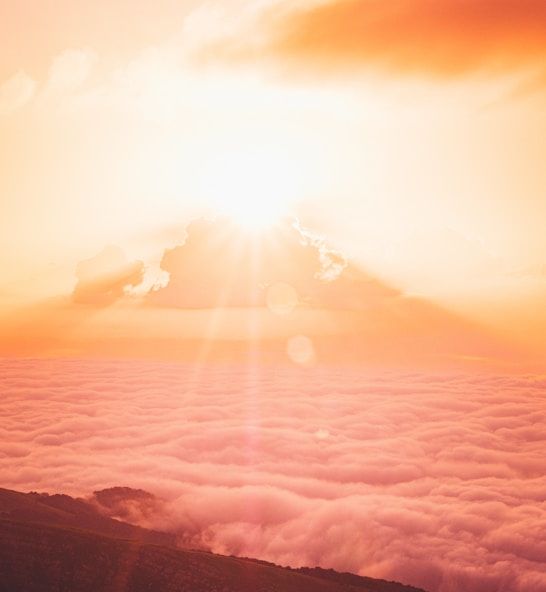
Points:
(45, 558)
(55, 543)
(66, 511)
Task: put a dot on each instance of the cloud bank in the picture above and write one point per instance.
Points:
(434, 480)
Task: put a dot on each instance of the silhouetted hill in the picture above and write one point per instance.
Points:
(56, 554)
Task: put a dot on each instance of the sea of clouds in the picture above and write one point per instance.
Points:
(435, 480)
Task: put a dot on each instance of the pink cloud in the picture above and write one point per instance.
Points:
(433, 480)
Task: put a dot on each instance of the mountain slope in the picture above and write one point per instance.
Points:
(55, 543)
(47, 558)
(64, 510)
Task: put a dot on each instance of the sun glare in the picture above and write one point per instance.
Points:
(254, 188)
(252, 215)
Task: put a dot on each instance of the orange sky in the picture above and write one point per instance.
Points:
(408, 137)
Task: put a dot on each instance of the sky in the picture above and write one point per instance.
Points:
(408, 138)
(327, 189)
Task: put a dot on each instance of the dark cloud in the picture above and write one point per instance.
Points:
(440, 38)
(105, 278)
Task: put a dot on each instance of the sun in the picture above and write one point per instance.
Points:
(253, 215)
(254, 187)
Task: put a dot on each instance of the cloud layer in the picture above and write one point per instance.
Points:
(432, 480)
(443, 38)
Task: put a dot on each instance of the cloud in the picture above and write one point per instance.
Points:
(435, 480)
(219, 264)
(211, 22)
(16, 92)
(106, 277)
(114, 31)
(444, 38)
(283, 294)
(69, 70)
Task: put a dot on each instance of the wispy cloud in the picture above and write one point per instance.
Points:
(106, 277)
(16, 92)
(69, 71)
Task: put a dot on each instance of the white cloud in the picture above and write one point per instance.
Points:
(16, 92)
(69, 71)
